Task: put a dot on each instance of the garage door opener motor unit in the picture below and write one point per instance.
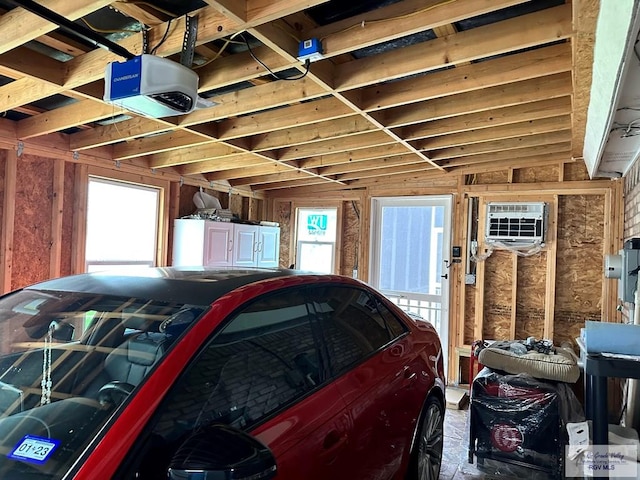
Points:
(516, 224)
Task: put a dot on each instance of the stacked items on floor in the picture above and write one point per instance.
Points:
(520, 403)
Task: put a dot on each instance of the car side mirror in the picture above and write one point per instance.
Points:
(222, 452)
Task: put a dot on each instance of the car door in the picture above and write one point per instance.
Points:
(262, 373)
(378, 374)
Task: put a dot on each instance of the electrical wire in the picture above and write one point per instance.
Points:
(307, 64)
(99, 30)
(382, 20)
(217, 55)
(163, 39)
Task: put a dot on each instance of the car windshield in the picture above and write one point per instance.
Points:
(67, 360)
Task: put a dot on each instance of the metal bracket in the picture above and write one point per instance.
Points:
(20, 148)
(181, 181)
(117, 163)
(189, 41)
(76, 156)
(154, 171)
(145, 40)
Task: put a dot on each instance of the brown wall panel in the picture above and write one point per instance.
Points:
(286, 221)
(530, 297)
(350, 237)
(575, 171)
(497, 296)
(533, 175)
(579, 267)
(491, 177)
(469, 315)
(32, 232)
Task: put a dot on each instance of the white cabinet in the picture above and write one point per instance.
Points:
(222, 244)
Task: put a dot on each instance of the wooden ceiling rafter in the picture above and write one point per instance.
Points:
(404, 110)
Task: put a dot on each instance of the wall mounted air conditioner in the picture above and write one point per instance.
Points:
(516, 223)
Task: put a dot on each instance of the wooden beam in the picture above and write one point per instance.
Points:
(307, 113)
(196, 154)
(239, 176)
(350, 167)
(518, 33)
(222, 163)
(8, 219)
(490, 73)
(84, 111)
(325, 147)
(18, 26)
(531, 127)
(534, 90)
(57, 212)
(407, 17)
(353, 156)
(517, 157)
(489, 118)
(501, 146)
(162, 143)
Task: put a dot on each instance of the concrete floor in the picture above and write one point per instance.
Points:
(454, 456)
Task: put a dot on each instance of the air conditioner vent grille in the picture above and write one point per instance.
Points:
(518, 222)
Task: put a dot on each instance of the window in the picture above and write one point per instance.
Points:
(353, 325)
(122, 224)
(316, 239)
(248, 371)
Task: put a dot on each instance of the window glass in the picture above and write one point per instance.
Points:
(61, 356)
(316, 239)
(352, 324)
(396, 327)
(261, 361)
(122, 225)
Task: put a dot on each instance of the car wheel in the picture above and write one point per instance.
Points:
(427, 457)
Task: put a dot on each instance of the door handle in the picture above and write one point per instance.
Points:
(445, 276)
(333, 440)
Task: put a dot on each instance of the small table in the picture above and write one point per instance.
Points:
(597, 369)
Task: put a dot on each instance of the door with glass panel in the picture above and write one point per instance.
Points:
(410, 238)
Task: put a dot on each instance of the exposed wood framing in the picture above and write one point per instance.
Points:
(8, 219)
(550, 284)
(57, 205)
(79, 239)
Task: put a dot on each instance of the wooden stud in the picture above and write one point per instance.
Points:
(478, 324)
(57, 205)
(8, 219)
(79, 238)
(514, 296)
(550, 282)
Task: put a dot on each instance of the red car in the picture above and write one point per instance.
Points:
(227, 374)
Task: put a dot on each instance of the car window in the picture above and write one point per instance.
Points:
(261, 361)
(396, 327)
(352, 324)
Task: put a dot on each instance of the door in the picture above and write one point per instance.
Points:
(269, 247)
(218, 245)
(245, 251)
(261, 373)
(410, 242)
(377, 373)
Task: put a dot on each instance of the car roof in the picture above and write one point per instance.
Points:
(194, 286)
